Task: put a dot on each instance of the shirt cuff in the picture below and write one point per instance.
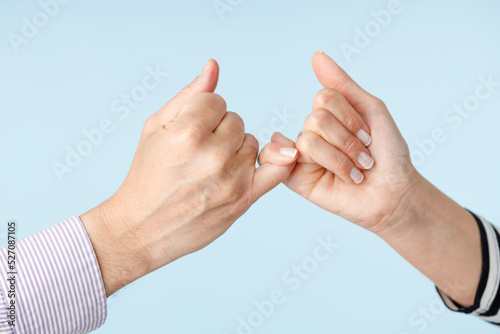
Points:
(487, 301)
(59, 287)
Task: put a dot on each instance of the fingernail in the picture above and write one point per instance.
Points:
(288, 152)
(356, 175)
(365, 138)
(205, 68)
(365, 160)
(319, 51)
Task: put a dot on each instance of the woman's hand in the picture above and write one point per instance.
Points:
(192, 176)
(353, 160)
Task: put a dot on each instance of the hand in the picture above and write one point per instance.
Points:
(336, 169)
(192, 176)
(354, 162)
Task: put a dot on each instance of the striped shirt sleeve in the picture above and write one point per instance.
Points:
(487, 301)
(58, 283)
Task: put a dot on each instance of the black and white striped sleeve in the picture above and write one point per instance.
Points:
(487, 301)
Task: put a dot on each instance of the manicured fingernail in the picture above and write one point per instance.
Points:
(365, 160)
(288, 152)
(365, 138)
(356, 175)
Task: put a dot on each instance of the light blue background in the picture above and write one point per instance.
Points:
(64, 80)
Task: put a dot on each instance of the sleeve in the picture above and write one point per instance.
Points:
(55, 285)
(487, 301)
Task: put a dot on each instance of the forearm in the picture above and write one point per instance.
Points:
(439, 238)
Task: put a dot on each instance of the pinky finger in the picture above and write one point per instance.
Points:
(278, 154)
(280, 139)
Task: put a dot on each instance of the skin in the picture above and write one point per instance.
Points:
(192, 176)
(431, 231)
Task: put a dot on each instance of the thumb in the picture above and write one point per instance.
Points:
(206, 82)
(269, 176)
(331, 75)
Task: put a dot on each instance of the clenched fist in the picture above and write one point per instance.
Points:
(192, 176)
(353, 160)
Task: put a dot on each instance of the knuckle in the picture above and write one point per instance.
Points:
(252, 141)
(151, 124)
(306, 141)
(343, 164)
(236, 119)
(350, 144)
(191, 135)
(249, 152)
(214, 101)
(352, 121)
(378, 103)
(318, 119)
(326, 95)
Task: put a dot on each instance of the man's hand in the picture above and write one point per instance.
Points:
(192, 176)
(353, 160)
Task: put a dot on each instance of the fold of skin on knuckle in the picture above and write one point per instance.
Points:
(236, 132)
(307, 145)
(352, 122)
(343, 165)
(373, 104)
(212, 101)
(317, 120)
(378, 103)
(150, 124)
(305, 142)
(249, 150)
(208, 103)
(189, 135)
(252, 141)
(237, 121)
(351, 145)
(325, 97)
(320, 119)
(331, 97)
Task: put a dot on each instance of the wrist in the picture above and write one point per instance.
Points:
(120, 261)
(438, 237)
(407, 214)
